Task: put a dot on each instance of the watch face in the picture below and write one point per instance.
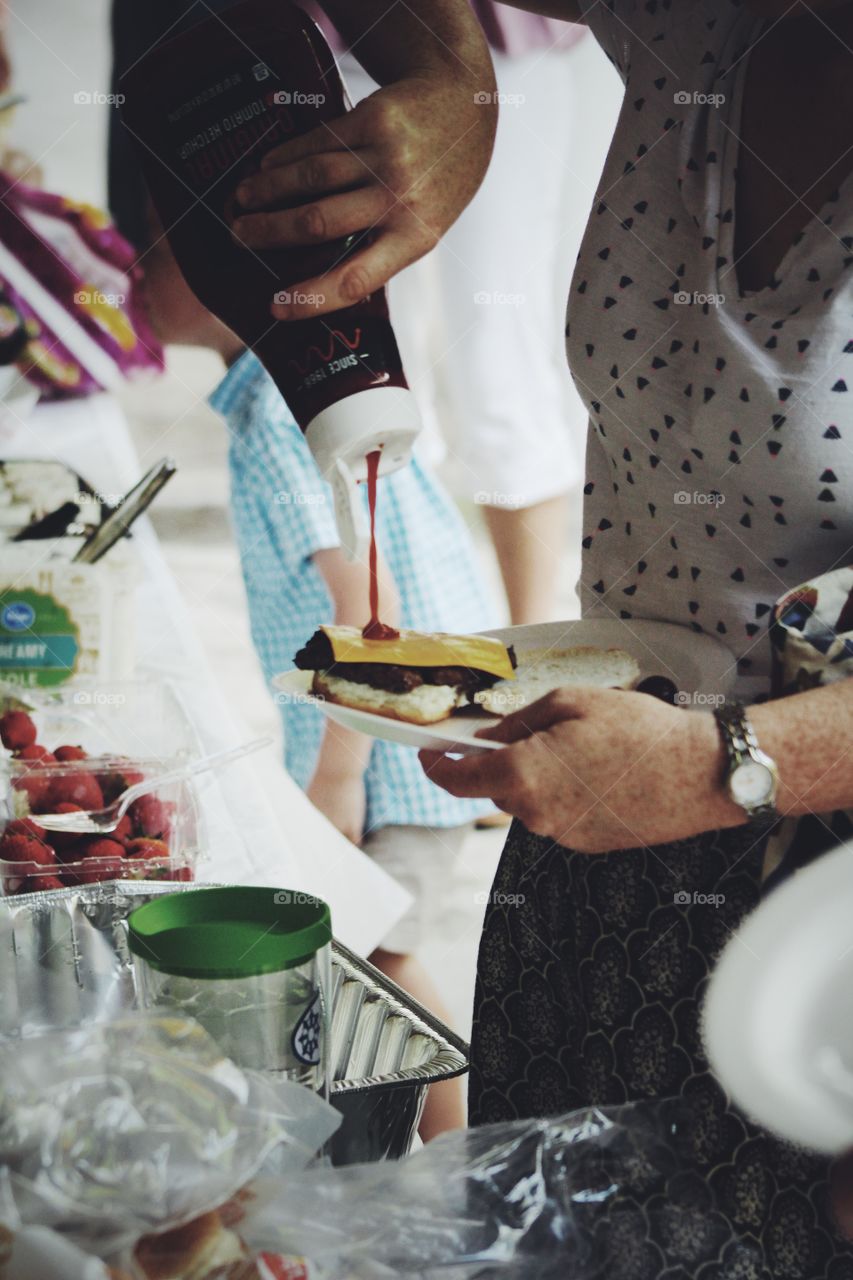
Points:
(752, 784)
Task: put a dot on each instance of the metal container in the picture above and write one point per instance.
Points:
(64, 959)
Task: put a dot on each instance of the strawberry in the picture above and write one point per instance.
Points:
(35, 751)
(124, 830)
(16, 730)
(184, 874)
(70, 753)
(146, 847)
(65, 842)
(74, 788)
(148, 816)
(25, 827)
(106, 857)
(117, 780)
(36, 884)
(34, 786)
(26, 848)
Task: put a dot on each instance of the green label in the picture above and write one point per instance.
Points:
(39, 641)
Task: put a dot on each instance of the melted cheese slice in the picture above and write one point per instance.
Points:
(423, 649)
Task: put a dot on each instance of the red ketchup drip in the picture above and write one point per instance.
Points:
(375, 630)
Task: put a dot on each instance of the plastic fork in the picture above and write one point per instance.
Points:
(103, 821)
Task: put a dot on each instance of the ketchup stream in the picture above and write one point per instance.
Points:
(374, 630)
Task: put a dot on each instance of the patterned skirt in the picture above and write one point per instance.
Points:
(590, 979)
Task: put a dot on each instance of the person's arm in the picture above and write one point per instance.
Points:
(337, 787)
(404, 163)
(599, 769)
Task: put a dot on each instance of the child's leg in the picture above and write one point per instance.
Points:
(422, 860)
(445, 1102)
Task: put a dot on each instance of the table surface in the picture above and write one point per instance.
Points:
(246, 841)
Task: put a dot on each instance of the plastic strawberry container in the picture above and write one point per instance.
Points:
(158, 839)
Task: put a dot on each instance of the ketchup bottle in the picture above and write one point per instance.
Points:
(204, 107)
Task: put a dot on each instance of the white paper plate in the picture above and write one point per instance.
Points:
(779, 1010)
(697, 664)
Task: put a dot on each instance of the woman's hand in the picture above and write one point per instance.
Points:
(403, 164)
(600, 769)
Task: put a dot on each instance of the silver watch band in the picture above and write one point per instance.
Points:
(741, 745)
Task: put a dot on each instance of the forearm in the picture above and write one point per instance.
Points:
(810, 737)
(421, 37)
(343, 753)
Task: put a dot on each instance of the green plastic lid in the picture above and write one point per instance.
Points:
(234, 932)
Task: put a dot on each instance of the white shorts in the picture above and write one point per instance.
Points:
(422, 860)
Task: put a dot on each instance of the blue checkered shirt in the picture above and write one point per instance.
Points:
(283, 513)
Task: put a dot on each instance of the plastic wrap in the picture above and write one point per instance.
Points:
(589, 1196)
(139, 1124)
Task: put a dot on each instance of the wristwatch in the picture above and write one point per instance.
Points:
(752, 778)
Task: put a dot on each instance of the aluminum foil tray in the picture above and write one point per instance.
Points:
(64, 959)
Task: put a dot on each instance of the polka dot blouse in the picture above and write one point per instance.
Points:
(720, 449)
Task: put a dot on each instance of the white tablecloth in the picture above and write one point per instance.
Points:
(247, 844)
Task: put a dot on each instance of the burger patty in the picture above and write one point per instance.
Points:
(317, 656)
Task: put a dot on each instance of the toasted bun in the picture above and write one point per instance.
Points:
(541, 670)
(424, 705)
(188, 1251)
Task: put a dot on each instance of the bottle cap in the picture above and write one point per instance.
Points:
(235, 932)
(341, 436)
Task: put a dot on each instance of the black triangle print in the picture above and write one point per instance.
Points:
(657, 363)
(598, 586)
(774, 448)
(624, 281)
(734, 437)
(710, 529)
(829, 477)
(629, 591)
(673, 572)
(661, 303)
(671, 225)
(737, 576)
(785, 393)
(826, 495)
(694, 572)
(629, 335)
(604, 254)
(588, 487)
(642, 383)
(827, 524)
(744, 395)
(608, 303)
(586, 542)
(693, 606)
(832, 433)
(641, 206)
(840, 385)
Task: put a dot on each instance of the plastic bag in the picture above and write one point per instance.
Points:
(76, 285)
(592, 1195)
(140, 1124)
(27, 1252)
